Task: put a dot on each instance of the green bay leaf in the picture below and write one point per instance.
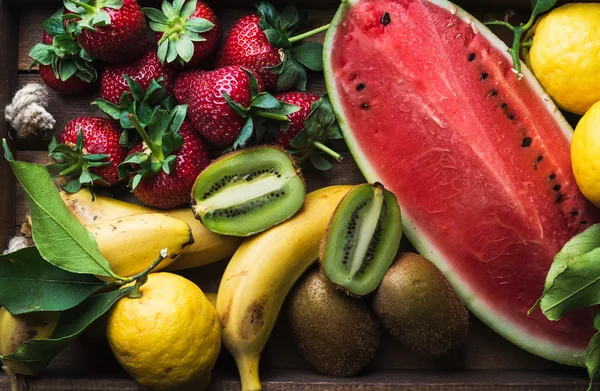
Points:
(38, 353)
(29, 284)
(60, 238)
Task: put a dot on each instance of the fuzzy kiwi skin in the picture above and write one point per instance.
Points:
(337, 334)
(416, 304)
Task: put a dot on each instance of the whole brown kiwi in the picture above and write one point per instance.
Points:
(416, 304)
(337, 334)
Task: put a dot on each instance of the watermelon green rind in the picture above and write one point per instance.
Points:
(509, 330)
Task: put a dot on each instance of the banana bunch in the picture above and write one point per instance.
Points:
(102, 214)
(16, 330)
(262, 272)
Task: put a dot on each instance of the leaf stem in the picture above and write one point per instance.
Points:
(328, 150)
(156, 152)
(309, 33)
(141, 278)
(500, 23)
(264, 114)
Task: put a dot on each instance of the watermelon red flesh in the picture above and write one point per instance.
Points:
(478, 158)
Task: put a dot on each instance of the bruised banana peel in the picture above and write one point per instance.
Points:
(15, 330)
(262, 272)
(208, 247)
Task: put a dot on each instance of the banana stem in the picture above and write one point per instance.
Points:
(248, 368)
(156, 152)
(308, 34)
(328, 150)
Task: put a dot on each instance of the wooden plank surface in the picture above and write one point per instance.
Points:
(8, 80)
(303, 380)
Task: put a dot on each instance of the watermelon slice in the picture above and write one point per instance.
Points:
(478, 157)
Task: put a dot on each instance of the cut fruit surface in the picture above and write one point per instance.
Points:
(478, 158)
(363, 239)
(248, 191)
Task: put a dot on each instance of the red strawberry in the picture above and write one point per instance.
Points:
(310, 129)
(272, 57)
(183, 83)
(166, 191)
(89, 152)
(247, 45)
(64, 65)
(188, 35)
(117, 42)
(143, 71)
(304, 100)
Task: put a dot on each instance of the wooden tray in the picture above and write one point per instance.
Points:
(486, 362)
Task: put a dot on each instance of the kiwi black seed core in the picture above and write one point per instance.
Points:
(362, 239)
(248, 191)
(416, 304)
(337, 334)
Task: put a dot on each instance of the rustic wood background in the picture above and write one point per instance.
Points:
(485, 362)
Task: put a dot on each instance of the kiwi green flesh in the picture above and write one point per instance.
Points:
(416, 304)
(363, 239)
(338, 335)
(248, 192)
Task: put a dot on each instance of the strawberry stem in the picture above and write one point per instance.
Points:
(72, 169)
(264, 114)
(309, 33)
(156, 151)
(172, 32)
(87, 7)
(328, 150)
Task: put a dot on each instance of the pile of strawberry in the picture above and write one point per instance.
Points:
(171, 95)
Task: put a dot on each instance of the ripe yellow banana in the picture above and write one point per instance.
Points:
(208, 247)
(131, 243)
(16, 330)
(262, 272)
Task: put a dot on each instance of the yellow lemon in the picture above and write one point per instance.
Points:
(168, 339)
(585, 154)
(564, 55)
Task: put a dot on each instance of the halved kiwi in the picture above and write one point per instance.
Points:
(362, 239)
(248, 191)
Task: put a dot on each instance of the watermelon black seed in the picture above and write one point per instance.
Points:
(539, 158)
(556, 188)
(360, 87)
(493, 93)
(484, 76)
(558, 197)
(471, 57)
(583, 222)
(511, 116)
(575, 213)
(552, 177)
(503, 105)
(526, 142)
(385, 19)
(364, 106)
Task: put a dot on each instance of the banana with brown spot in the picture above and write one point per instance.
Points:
(262, 272)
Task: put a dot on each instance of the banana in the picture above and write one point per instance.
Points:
(262, 272)
(131, 243)
(208, 247)
(16, 330)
